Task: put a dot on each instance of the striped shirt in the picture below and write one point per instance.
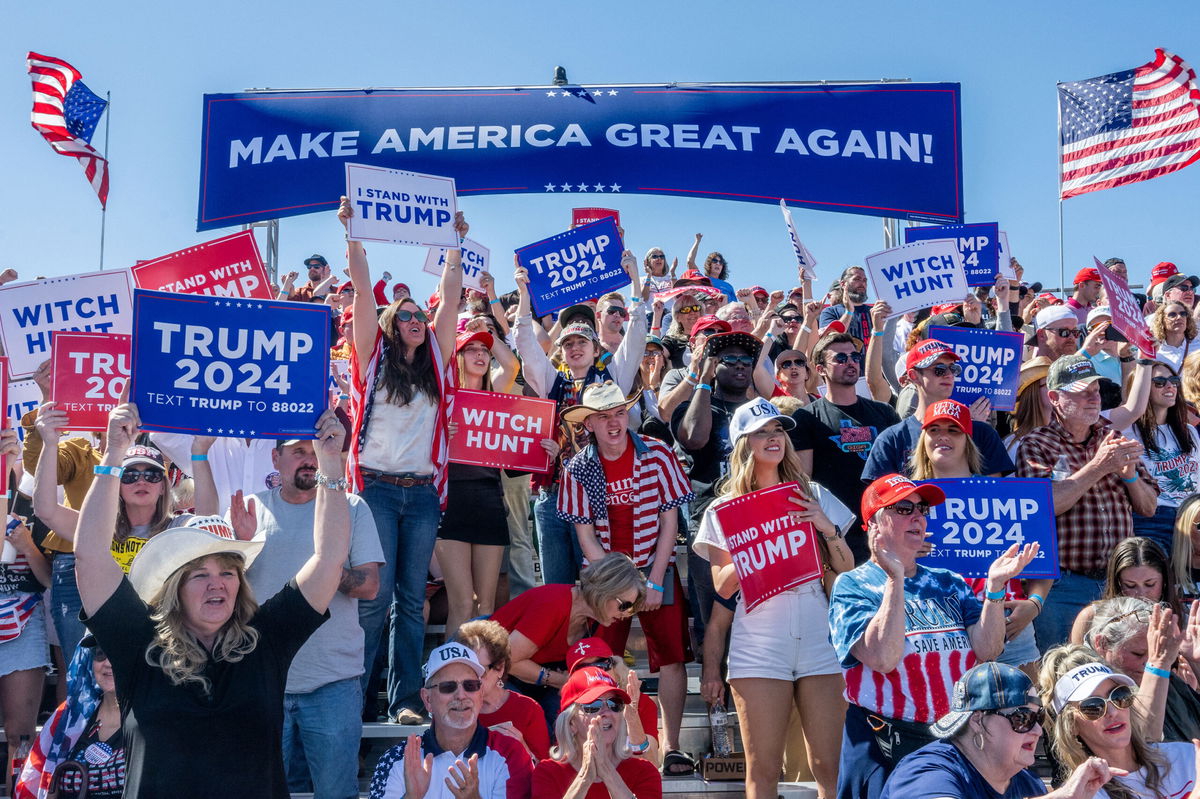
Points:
(659, 482)
(505, 768)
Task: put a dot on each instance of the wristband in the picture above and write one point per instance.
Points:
(704, 387)
(877, 334)
(1133, 479)
(656, 587)
(494, 302)
(635, 300)
(1039, 599)
(541, 678)
(344, 396)
(1126, 359)
(994, 596)
(656, 328)
(1147, 361)
(196, 457)
(806, 329)
(114, 471)
(1157, 672)
(639, 748)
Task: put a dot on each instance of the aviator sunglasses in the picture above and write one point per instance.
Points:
(1094, 707)
(131, 476)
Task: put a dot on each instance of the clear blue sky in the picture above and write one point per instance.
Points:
(159, 59)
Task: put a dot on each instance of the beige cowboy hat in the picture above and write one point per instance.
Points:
(597, 398)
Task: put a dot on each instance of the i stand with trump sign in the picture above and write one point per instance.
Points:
(229, 367)
(771, 552)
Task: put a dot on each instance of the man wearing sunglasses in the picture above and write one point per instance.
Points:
(457, 757)
(932, 367)
(1099, 483)
(834, 435)
(1055, 333)
(611, 317)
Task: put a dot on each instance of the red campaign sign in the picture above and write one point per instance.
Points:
(584, 216)
(771, 553)
(501, 430)
(1126, 313)
(88, 372)
(226, 267)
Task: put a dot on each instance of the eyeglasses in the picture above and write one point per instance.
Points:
(1063, 332)
(734, 360)
(842, 357)
(1175, 314)
(1167, 380)
(408, 316)
(131, 476)
(592, 708)
(906, 507)
(794, 363)
(1022, 719)
(689, 309)
(790, 319)
(943, 369)
(617, 309)
(448, 687)
(1094, 707)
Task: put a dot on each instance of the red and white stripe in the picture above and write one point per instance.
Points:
(1165, 136)
(916, 690)
(52, 79)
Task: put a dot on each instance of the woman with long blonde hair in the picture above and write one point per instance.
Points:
(1174, 330)
(779, 652)
(200, 666)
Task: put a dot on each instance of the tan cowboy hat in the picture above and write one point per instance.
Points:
(171, 549)
(1032, 371)
(597, 398)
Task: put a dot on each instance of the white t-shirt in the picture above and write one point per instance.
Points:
(1177, 472)
(1178, 776)
(711, 534)
(399, 436)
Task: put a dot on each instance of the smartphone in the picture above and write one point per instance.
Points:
(1112, 334)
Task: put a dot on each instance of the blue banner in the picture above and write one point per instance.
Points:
(990, 361)
(575, 266)
(979, 244)
(229, 367)
(983, 516)
(890, 150)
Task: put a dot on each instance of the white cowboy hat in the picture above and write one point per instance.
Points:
(171, 549)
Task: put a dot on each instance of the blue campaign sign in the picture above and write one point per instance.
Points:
(979, 244)
(990, 361)
(229, 367)
(880, 149)
(983, 516)
(578, 265)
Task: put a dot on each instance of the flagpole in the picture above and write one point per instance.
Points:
(104, 208)
(1062, 277)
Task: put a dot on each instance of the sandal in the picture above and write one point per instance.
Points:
(678, 764)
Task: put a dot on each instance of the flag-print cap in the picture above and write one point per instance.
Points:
(927, 353)
(891, 488)
(1071, 373)
(988, 686)
(950, 411)
(140, 453)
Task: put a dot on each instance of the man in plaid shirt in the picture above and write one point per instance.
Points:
(1099, 483)
(621, 493)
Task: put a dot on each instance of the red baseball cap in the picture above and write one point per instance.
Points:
(890, 489)
(585, 649)
(945, 307)
(587, 684)
(1049, 299)
(926, 353)
(835, 326)
(691, 278)
(756, 290)
(710, 322)
(466, 338)
(950, 411)
(401, 286)
(1161, 271)
(1086, 274)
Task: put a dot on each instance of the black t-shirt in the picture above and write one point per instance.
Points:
(105, 761)
(840, 437)
(711, 462)
(183, 743)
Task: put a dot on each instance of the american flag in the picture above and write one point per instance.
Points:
(66, 113)
(1128, 126)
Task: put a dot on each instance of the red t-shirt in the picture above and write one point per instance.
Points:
(551, 779)
(543, 615)
(527, 717)
(620, 495)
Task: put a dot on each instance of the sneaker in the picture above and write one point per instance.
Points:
(408, 718)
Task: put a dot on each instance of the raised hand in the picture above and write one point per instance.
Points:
(1010, 563)
(463, 781)
(345, 211)
(1163, 638)
(50, 422)
(242, 516)
(418, 770)
(810, 511)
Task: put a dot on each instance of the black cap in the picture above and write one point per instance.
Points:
(314, 257)
(582, 309)
(949, 319)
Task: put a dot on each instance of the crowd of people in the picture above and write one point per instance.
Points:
(225, 612)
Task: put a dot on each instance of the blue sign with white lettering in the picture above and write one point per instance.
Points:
(880, 149)
(226, 366)
(990, 361)
(575, 266)
(978, 242)
(983, 516)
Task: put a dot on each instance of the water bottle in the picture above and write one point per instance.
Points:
(718, 722)
(18, 762)
(1062, 469)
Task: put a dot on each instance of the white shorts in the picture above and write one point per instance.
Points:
(784, 638)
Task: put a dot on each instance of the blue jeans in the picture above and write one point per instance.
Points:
(407, 521)
(66, 604)
(321, 733)
(1071, 593)
(1159, 528)
(558, 546)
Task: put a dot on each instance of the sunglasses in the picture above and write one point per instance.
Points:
(943, 369)
(844, 357)
(734, 360)
(906, 507)
(689, 309)
(592, 708)
(618, 310)
(1176, 314)
(1094, 707)
(602, 663)
(1164, 381)
(131, 476)
(790, 319)
(408, 316)
(1022, 719)
(657, 255)
(624, 605)
(448, 687)
(651, 354)
(1068, 333)
(795, 363)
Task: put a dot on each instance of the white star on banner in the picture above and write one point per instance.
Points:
(566, 94)
(220, 429)
(615, 187)
(549, 187)
(598, 187)
(551, 94)
(612, 92)
(566, 187)
(583, 187)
